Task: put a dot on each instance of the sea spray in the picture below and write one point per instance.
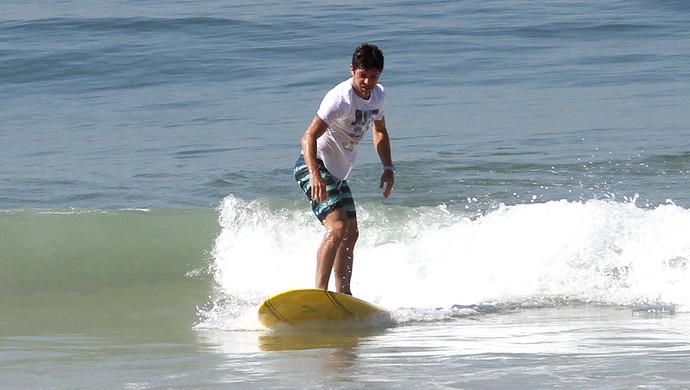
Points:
(417, 261)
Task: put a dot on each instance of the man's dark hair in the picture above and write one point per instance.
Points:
(367, 56)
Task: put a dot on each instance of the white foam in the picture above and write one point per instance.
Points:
(603, 252)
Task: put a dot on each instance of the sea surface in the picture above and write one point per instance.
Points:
(537, 237)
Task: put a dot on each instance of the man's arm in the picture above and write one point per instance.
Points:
(315, 130)
(383, 148)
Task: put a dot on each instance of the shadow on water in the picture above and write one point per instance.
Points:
(301, 340)
(289, 338)
(325, 334)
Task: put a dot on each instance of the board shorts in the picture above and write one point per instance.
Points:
(339, 195)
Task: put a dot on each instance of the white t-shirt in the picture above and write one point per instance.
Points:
(349, 117)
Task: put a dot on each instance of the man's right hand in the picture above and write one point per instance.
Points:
(318, 187)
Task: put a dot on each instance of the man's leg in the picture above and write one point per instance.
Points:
(344, 259)
(336, 224)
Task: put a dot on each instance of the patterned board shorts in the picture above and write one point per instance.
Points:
(339, 194)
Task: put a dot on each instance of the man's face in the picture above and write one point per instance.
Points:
(364, 81)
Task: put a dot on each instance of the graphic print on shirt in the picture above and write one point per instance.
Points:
(360, 125)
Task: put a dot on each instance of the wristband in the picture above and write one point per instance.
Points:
(389, 168)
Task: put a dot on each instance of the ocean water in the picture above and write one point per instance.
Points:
(536, 238)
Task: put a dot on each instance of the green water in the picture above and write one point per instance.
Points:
(95, 272)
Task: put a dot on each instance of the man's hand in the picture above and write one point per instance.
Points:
(387, 181)
(315, 130)
(318, 187)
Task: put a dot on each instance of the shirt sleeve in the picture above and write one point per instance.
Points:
(330, 108)
(382, 110)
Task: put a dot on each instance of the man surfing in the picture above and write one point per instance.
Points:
(329, 151)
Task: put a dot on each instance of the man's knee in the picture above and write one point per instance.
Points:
(337, 223)
(339, 227)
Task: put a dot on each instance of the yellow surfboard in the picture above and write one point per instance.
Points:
(316, 306)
